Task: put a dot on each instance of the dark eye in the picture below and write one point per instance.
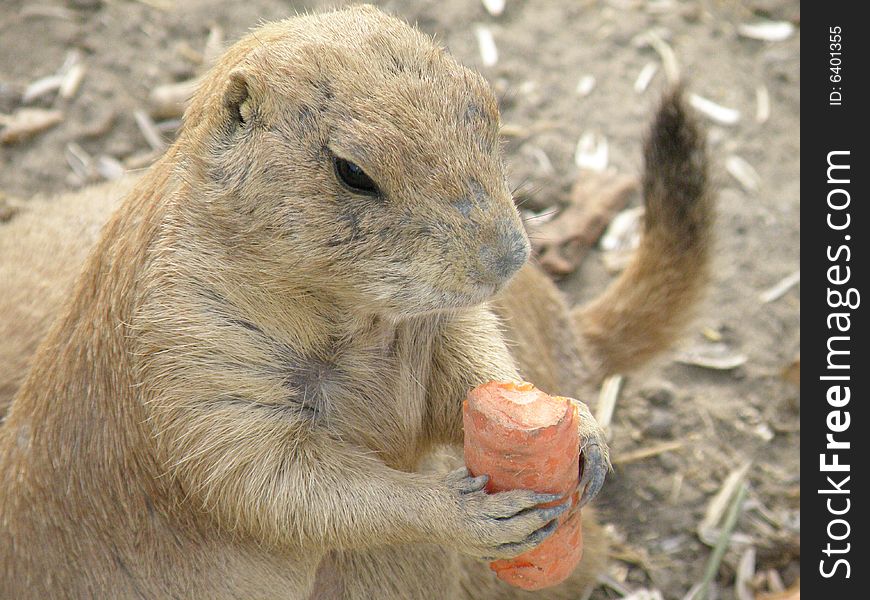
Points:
(354, 177)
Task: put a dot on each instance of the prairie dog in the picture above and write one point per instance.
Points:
(273, 332)
(275, 327)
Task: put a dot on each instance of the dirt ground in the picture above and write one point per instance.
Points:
(678, 429)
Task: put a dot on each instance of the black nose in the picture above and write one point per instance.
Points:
(500, 261)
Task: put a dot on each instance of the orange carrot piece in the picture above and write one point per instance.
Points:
(525, 439)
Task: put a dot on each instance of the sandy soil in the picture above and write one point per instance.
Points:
(699, 423)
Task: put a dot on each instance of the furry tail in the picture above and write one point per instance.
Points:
(645, 309)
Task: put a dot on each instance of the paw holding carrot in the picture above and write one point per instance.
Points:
(522, 438)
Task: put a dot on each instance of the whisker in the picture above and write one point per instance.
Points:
(542, 215)
(509, 93)
(523, 182)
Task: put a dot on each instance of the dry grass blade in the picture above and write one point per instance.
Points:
(762, 104)
(214, 45)
(716, 112)
(169, 101)
(644, 595)
(66, 80)
(149, 130)
(622, 238)
(41, 87)
(745, 575)
(722, 543)
(711, 334)
(767, 31)
(774, 582)
(513, 130)
(715, 356)
(140, 160)
(624, 231)
(562, 243)
(792, 593)
(24, 123)
(189, 53)
(606, 406)
(592, 152)
(645, 77)
(72, 58)
(486, 44)
(779, 290)
(644, 453)
(51, 12)
(692, 593)
(72, 80)
(494, 7)
(743, 172)
(608, 581)
(109, 167)
(545, 165)
(665, 52)
(80, 162)
(707, 531)
(169, 126)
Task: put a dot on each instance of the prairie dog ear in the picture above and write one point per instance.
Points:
(238, 101)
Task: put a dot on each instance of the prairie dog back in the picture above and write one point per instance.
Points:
(42, 249)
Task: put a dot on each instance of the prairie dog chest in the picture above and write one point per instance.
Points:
(369, 387)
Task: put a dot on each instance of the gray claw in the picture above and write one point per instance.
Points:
(467, 484)
(534, 538)
(595, 468)
(549, 513)
(475, 484)
(546, 498)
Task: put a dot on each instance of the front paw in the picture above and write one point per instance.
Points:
(594, 455)
(498, 525)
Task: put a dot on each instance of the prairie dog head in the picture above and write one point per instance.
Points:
(348, 151)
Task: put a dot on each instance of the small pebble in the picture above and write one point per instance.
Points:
(661, 424)
(661, 396)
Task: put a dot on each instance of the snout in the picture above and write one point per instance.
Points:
(502, 257)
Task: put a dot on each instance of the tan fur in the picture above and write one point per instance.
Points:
(242, 393)
(41, 251)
